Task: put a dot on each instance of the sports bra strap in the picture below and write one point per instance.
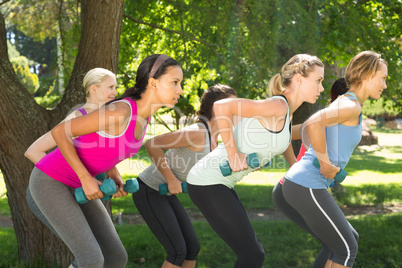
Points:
(351, 94)
(82, 110)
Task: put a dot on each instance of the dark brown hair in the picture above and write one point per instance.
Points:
(212, 94)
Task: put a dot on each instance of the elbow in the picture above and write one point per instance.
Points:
(57, 131)
(147, 144)
(28, 154)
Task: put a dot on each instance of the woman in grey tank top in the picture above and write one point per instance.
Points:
(164, 214)
(334, 132)
(263, 130)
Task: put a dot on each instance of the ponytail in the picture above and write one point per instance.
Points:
(275, 87)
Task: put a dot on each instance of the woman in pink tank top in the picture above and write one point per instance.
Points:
(105, 137)
(100, 87)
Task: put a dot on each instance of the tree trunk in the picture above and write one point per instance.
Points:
(22, 121)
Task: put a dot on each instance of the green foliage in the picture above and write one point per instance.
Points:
(12, 51)
(381, 107)
(28, 79)
(49, 101)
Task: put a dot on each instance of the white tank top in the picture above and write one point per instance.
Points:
(251, 137)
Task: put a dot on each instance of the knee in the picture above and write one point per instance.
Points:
(192, 252)
(97, 261)
(256, 257)
(346, 255)
(353, 249)
(176, 257)
(117, 259)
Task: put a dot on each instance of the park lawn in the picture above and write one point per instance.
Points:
(374, 177)
(285, 245)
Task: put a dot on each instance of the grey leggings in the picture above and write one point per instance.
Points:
(322, 217)
(86, 229)
(325, 253)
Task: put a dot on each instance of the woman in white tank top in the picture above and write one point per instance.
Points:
(265, 130)
(164, 214)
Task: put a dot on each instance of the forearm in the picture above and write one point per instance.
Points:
(225, 126)
(317, 135)
(296, 132)
(38, 149)
(158, 158)
(290, 155)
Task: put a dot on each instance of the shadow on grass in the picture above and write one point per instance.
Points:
(285, 244)
(367, 160)
(260, 197)
(369, 194)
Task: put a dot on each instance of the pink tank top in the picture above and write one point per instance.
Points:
(99, 152)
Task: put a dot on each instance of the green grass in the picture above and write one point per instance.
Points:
(374, 177)
(285, 245)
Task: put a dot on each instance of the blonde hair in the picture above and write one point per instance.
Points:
(299, 64)
(363, 65)
(95, 77)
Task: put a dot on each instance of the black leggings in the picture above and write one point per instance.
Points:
(169, 222)
(325, 253)
(225, 213)
(317, 212)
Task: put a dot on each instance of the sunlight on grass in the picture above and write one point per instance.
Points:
(3, 189)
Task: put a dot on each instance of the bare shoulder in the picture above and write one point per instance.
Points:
(348, 106)
(278, 106)
(118, 108)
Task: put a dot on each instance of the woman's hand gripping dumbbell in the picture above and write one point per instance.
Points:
(252, 162)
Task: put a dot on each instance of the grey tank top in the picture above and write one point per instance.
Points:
(180, 161)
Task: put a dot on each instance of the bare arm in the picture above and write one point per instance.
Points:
(192, 139)
(296, 132)
(38, 149)
(226, 109)
(316, 124)
(105, 119)
(290, 155)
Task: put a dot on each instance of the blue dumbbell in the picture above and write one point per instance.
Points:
(131, 186)
(108, 188)
(340, 176)
(267, 165)
(252, 162)
(163, 188)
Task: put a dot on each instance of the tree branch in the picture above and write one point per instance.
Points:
(4, 2)
(179, 33)
(161, 121)
(61, 34)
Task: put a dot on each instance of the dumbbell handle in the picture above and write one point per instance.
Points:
(340, 176)
(252, 162)
(108, 188)
(163, 188)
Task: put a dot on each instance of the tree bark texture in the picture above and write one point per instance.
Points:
(22, 121)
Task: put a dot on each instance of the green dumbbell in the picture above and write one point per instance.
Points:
(163, 188)
(340, 176)
(108, 188)
(252, 162)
